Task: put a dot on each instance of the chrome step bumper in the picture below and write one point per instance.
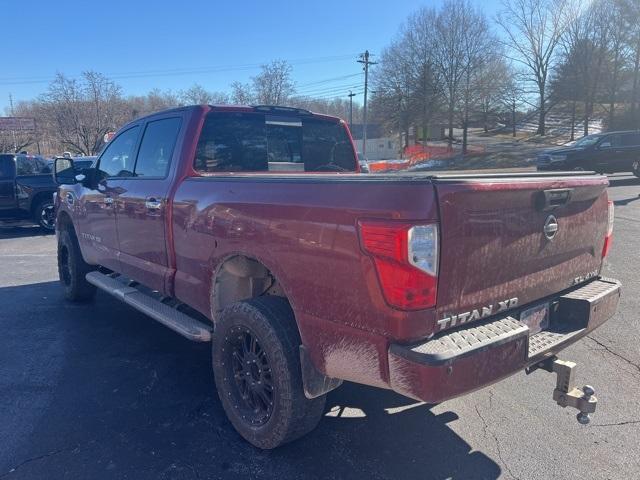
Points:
(456, 362)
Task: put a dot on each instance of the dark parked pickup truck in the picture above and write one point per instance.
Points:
(252, 228)
(26, 190)
(610, 152)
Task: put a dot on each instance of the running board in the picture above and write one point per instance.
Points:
(177, 321)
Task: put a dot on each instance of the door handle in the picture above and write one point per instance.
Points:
(153, 204)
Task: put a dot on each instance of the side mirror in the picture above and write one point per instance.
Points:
(64, 172)
(605, 145)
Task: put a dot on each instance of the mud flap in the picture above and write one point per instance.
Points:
(315, 383)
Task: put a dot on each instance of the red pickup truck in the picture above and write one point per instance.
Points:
(253, 229)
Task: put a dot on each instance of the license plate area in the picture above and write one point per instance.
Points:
(536, 318)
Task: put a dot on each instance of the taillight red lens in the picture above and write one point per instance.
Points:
(609, 236)
(407, 282)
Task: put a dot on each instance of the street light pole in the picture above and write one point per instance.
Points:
(351, 95)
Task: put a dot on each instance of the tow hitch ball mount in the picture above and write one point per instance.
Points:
(565, 394)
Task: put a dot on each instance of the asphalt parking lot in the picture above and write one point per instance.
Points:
(100, 391)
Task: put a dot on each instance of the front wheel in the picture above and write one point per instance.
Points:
(72, 269)
(44, 215)
(256, 364)
(636, 168)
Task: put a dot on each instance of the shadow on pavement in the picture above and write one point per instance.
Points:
(100, 391)
(626, 201)
(20, 231)
(624, 182)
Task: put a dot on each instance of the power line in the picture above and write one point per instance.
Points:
(175, 71)
(331, 95)
(330, 80)
(343, 87)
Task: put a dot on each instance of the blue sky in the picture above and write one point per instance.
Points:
(172, 45)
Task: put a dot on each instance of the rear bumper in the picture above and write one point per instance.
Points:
(460, 361)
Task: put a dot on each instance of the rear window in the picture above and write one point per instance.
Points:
(253, 142)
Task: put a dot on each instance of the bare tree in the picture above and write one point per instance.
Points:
(617, 40)
(198, 95)
(462, 42)
(393, 84)
(493, 88)
(241, 93)
(79, 112)
(418, 59)
(533, 30)
(586, 49)
(273, 85)
(631, 13)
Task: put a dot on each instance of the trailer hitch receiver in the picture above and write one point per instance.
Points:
(566, 395)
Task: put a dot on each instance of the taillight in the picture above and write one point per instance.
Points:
(406, 260)
(607, 239)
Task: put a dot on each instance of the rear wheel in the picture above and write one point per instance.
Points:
(72, 269)
(44, 215)
(256, 363)
(636, 168)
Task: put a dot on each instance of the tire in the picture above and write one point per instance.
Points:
(72, 269)
(636, 168)
(44, 215)
(264, 401)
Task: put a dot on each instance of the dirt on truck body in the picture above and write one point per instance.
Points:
(253, 229)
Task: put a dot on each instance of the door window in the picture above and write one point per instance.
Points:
(6, 166)
(25, 166)
(631, 140)
(614, 140)
(117, 159)
(156, 148)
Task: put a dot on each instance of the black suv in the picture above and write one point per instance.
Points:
(610, 152)
(26, 190)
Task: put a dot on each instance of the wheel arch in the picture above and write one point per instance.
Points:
(38, 198)
(64, 222)
(240, 276)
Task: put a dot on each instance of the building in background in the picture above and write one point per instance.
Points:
(379, 145)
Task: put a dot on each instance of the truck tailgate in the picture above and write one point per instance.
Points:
(493, 244)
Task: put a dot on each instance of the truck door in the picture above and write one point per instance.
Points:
(611, 154)
(97, 227)
(143, 205)
(7, 183)
(630, 151)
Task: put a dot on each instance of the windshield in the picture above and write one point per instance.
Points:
(587, 141)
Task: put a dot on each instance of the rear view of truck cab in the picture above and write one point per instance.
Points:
(253, 229)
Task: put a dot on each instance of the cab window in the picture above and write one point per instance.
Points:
(254, 142)
(117, 159)
(7, 166)
(25, 166)
(156, 148)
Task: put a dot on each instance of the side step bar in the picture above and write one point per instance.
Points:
(177, 321)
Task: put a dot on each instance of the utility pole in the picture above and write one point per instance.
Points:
(364, 59)
(13, 132)
(351, 95)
